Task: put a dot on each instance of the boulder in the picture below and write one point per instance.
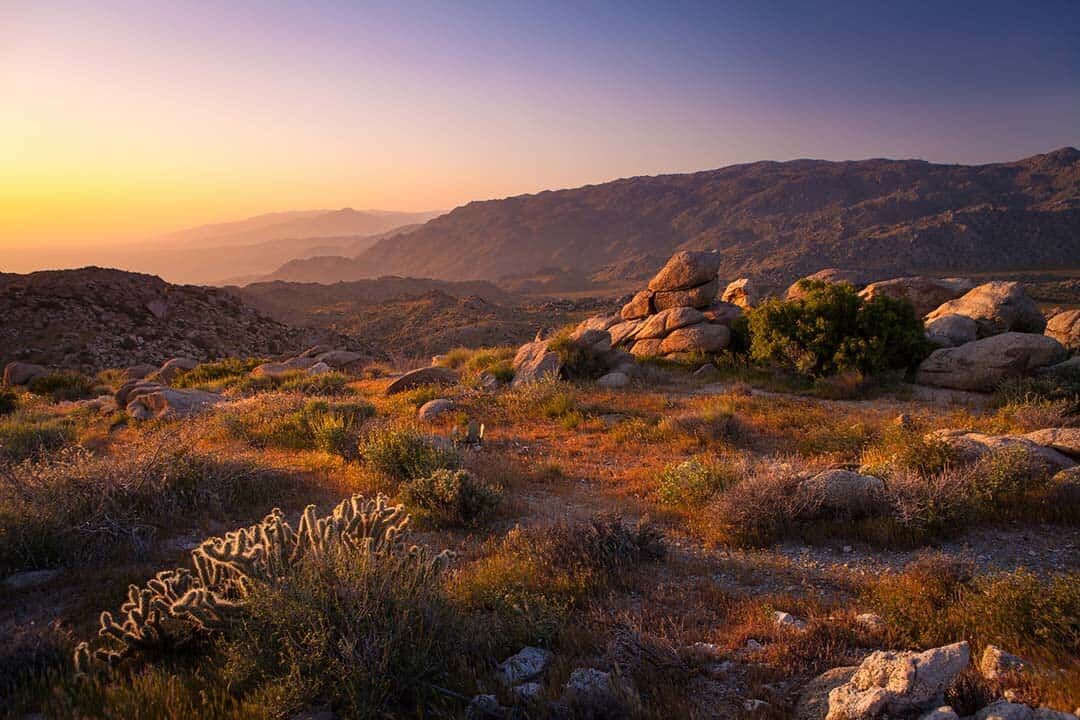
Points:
(131, 390)
(528, 664)
(1065, 328)
(813, 703)
(942, 713)
(687, 269)
(703, 337)
(534, 362)
(594, 693)
(646, 348)
(983, 364)
(421, 377)
(996, 307)
(845, 491)
(277, 369)
(624, 331)
(996, 664)
(722, 313)
(319, 368)
(898, 683)
(742, 292)
(924, 293)
(1005, 710)
(1064, 440)
(639, 306)
(614, 380)
(787, 621)
(20, 373)
(138, 372)
(435, 408)
(972, 446)
(599, 322)
(173, 367)
(952, 330)
(168, 402)
(828, 275)
(665, 321)
(341, 359)
(697, 297)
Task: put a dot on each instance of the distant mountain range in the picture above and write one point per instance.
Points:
(778, 220)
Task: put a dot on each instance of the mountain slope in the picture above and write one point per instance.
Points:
(775, 219)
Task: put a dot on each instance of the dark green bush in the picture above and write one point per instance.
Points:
(450, 497)
(217, 375)
(62, 385)
(8, 402)
(834, 330)
(404, 453)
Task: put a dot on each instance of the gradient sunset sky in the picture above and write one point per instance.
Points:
(123, 119)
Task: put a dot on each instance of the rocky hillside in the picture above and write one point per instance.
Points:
(94, 318)
(772, 219)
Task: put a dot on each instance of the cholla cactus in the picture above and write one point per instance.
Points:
(227, 568)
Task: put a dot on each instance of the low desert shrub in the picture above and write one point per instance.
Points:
(495, 361)
(62, 385)
(327, 383)
(901, 448)
(579, 361)
(450, 497)
(833, 330)
(9, 402)
(289, 421)
(404, 453)
(1058, 387)
(216, 376)
(691, 483)
(25, 436)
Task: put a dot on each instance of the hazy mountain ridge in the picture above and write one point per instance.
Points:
(780, 219)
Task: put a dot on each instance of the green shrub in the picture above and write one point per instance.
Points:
(450, 497)
(692, 482)
(62, 385)
(334, 434)
(217, 375)
(579, 361)
(22, 438)
(327, 383)
(404, 454)
(833, 330)
(9, 402)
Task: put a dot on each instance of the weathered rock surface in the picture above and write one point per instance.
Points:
(433, 409)
(639, 306)
(534, 361)
(952, 330)
(687, 269)
(971, 446)
(829, 275)
(695, 297)
(1064, 440)
(924, 293)
(742, 292)
(722, 313)
(20, 373)
(1065, 328)
(528, 664)
(421, 377)
(996, 664)
(898, 683)
(278, 369)
(614, 380)
(996, 307)
(165, 402)
(703, 337)
(665, 321)
(624, 331)
(813, 702)
(845, 491)
(983, 364)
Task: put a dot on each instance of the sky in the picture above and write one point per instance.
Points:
(121, 120)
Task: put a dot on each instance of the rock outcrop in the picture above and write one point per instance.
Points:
(996, 307)
(924, 293)
(1065, 328)
(983, 364)
(855, 278)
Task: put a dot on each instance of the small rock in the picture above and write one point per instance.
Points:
(942, 713)
(788, 621)
(613, 380)
(996, 664)
(870, 621)
(594, 693)
(528, 692)
(753, 645)
(319, 368)
(528, 664)
(435, 408)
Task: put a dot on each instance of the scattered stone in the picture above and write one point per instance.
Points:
(341, 359)
(787, 621)
(687, 269)
(1005, 710)
(983, 364)
(1065, 328)
(898, 683)
(285, 367)
(753, 645)
(996, 664)
(421, 377)
(173, 367)
(535, 362)
(528, 664)
(614, 380)
(924, 293)
(138, 372)
(20, 373)
(754, 705)
(996, 307)
(433, 409)
(972, 446)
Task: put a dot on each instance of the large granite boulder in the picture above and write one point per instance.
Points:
(1065, 440)
(703, 338)
(742, 292)
(534, 362)
(20, 373)
(1065, 328)
(924, 293)
(640, 306)
(996, 307)
(421, 377)
(699, 296)
(665, 321)
(166, 402)
(952, 330)
(983, 364)
(687, 269)
(898, 683)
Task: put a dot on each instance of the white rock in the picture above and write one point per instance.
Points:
(528, 664)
